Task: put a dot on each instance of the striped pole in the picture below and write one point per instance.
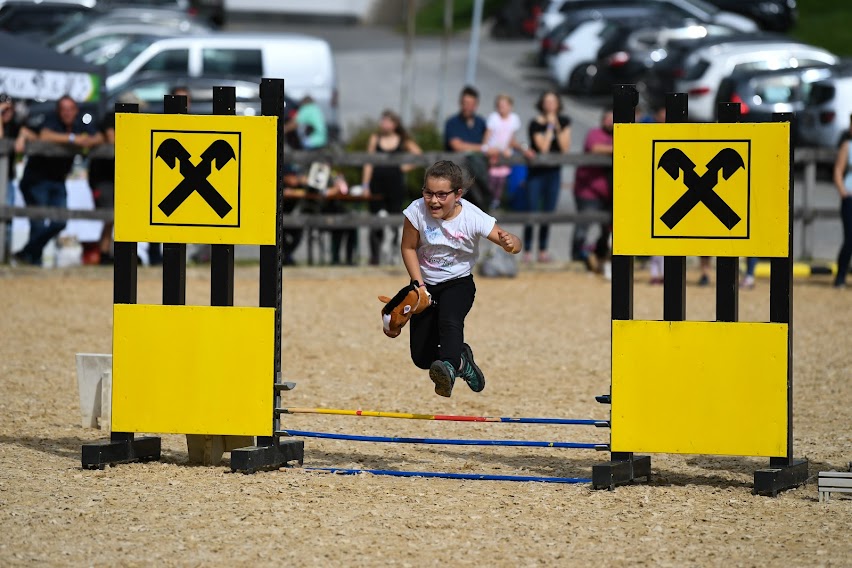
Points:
(443, 441)
(471, 476)
(449, 417)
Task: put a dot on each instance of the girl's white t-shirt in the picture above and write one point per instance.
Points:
(502, 129)
(448, 249)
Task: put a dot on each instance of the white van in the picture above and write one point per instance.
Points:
(304, 62)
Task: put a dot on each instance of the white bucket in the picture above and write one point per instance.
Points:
(94, 381)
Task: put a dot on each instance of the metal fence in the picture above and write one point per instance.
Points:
(807, 158)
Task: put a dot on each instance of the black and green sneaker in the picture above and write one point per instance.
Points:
(471, 374)
(443, 375)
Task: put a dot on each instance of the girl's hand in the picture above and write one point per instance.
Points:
(507, 240)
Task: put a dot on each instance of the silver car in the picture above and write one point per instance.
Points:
(827, 111)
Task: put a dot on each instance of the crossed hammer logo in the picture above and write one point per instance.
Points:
(700, 188)
(195, 177)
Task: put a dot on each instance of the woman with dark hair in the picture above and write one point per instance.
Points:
(386, 183)
(550, 133)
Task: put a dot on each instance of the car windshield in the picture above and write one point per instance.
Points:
(702, 5)
(127, 54)
(72, 26)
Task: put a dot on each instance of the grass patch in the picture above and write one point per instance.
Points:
(430, 18)
(825, 23)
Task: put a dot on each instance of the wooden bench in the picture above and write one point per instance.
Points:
(833, 482)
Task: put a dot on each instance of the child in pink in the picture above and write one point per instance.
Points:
(502, 125)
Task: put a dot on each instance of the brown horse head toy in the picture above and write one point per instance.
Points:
(396, 312)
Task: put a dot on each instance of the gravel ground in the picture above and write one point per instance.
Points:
(698, 510)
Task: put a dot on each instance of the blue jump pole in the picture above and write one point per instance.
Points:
(470, 476)
(443, 441)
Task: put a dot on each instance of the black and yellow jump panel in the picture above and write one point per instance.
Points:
(198, 370)
(701, 387)
(194, 179)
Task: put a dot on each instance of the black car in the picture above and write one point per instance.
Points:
(770, 15)
(630, 52)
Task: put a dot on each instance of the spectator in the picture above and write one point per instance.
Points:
(12, 129)
(310, 125)
(43, 182)
(502, 127)
(102, 184)
(593, 192)
(747, 281)
(843, 183)
(466, 132)
(294, 190)
(549, 133)
(386, 183)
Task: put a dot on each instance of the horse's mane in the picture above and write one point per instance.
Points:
(397, 300)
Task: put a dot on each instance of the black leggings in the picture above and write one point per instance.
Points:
(438, 332)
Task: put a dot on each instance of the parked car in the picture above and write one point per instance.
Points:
(707, 67)
(38, 20)
(763, 93)
(628, 13)
(577, 48)
(305, 63)
(96, 42)
(770, 15)
(627, 55)
(558, 10)
(827, 111)
(669, 66)
(517, 18)
(149, 89)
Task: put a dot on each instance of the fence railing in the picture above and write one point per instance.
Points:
(806, 212)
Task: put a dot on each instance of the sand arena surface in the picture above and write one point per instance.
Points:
(543, 341)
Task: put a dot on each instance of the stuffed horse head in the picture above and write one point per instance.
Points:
(411, 300)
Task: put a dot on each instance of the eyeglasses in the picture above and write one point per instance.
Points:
(441, 195)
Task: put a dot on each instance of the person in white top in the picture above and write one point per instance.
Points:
(440, 245)
(502, 126)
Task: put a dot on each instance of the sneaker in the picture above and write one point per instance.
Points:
(704, 280)
(106, 259)
(469, 371)
(21, 258)
(443, 375)
(747, 282)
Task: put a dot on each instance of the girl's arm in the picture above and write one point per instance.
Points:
(840, 169)
(510, 243)
(367, 170)
(408, 249)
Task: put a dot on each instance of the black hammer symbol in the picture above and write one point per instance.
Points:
(195, 177)
(700, 188)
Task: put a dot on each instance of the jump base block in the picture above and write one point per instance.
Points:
(256, 458)
(108, 452)
(619, 472)
(780, 477)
